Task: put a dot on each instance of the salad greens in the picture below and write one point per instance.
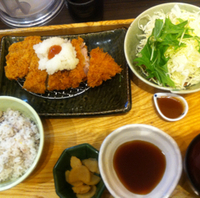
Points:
(164, 35)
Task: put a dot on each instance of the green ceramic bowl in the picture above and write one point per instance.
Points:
(82, 151)
(131, 41)
(21, 106)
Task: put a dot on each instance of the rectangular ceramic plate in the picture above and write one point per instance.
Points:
(113, 96)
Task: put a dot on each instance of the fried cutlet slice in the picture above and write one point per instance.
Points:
(78, 74)
(36, 79)
(102, 67)
(19, 57)
(59, 81)
(65, 79)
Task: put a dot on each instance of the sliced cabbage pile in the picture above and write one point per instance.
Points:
(169, 48)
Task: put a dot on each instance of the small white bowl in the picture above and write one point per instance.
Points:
(23, 107)
(145, 133)
(171, 95)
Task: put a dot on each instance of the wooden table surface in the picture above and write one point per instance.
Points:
(66, 132)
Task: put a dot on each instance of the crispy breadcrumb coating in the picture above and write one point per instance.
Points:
(59, 81)
(22, 61)
(36, 79)
(62, 80)
(19, 57)
(102, 67)
(78, 75)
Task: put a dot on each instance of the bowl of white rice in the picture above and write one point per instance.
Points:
(162, 47)
(21, 141)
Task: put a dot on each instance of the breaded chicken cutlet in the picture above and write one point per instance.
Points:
(62, 80)
(36, 79)
(19, 57)
(22, 61)
(102, 67)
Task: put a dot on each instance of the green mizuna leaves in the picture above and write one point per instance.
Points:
(152, 59)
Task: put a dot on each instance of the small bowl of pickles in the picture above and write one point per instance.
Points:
(76, 173)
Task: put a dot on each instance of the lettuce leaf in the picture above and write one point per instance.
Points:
(152, 59)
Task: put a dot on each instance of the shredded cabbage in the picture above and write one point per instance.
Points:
(184, 62)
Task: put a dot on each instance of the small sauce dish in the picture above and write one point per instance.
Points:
(171, 107)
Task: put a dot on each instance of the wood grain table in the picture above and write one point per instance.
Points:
(62, 133)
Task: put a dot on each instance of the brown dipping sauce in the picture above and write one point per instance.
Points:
(170, 107)
(53, 50)
(139, 165)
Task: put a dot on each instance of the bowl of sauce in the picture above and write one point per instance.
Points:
(142, 168)
(192, 164)
(171, 107)
(136, 160)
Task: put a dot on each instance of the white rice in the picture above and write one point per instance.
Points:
(19, 142)
(66, 59)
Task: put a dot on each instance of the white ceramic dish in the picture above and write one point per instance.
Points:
(184, 102)
(131, 41)
(146, 133)
(20, 105)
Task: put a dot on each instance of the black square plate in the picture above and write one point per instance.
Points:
(113, 96)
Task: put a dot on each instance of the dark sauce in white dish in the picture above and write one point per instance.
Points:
(139, 165)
